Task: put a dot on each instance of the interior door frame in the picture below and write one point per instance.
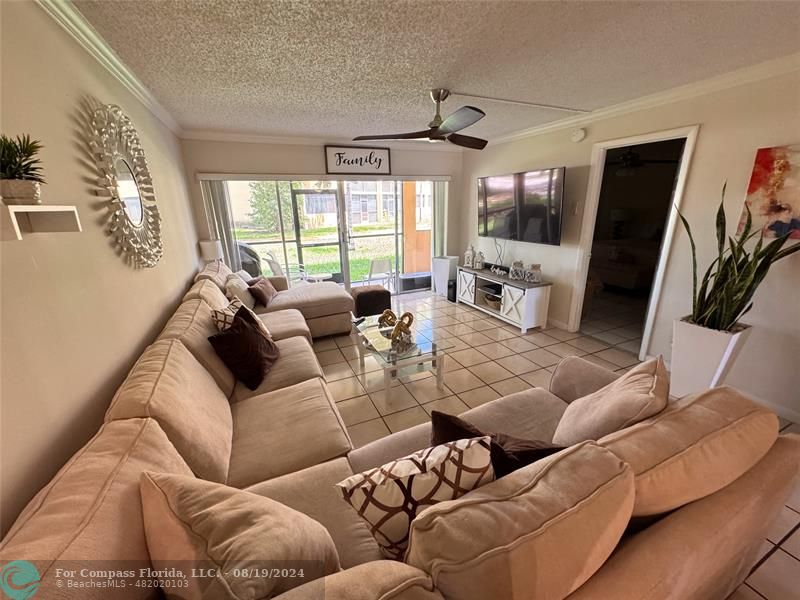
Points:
(599, 150)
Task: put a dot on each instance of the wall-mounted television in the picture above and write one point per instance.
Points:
(523, 206)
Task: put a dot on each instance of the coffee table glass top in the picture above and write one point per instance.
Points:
(377, 339)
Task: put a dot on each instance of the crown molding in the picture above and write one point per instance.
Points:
(254, 138)
(73, 22)
(766, 70)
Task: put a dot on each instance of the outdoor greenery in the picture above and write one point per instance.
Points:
(18, 158)
(728, 285)
(325, 259)
(264, 205)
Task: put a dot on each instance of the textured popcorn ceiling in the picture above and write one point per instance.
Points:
(347, 67)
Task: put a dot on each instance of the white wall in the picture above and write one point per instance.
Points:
(733, 124)
(74, 316)
(203, 156)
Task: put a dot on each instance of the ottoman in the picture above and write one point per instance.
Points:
(371, 300)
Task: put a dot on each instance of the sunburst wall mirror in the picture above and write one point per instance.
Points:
(134, 221)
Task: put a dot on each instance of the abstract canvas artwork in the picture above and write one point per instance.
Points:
(773, 194)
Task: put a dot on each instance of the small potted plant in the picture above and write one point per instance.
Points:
(706, 343)
(20, 170)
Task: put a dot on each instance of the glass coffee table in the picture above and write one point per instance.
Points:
(375, 340)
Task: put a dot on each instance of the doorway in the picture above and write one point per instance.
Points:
(636, 185)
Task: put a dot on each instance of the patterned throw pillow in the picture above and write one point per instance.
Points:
(223, 318)
(389, 497)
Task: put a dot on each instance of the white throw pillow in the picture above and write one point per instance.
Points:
(247, 546)
(389, 497)
(236, 287)
(640, 393)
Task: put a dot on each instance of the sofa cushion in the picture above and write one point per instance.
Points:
(640, 393)
(389, 497)
(193, 522)
(376, 580)
(192, 324)
(217, 272)
(207, 291)
(284, 431)
(313, 300)
(312, 491)
(91, 511)
(539, 532)
(340, 323)
(236, 287)
(169, 385)
(296, 363)
(284, 324)
(693, 448)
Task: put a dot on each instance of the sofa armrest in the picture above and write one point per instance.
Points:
(279, 283)
(575, 377)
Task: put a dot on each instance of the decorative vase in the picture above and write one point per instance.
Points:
(479, 260)
(517, 270)
(702, 357)
(533, 274)
(20, 191)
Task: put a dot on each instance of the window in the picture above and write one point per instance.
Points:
(320, 204)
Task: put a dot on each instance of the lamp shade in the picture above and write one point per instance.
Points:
(211, 250)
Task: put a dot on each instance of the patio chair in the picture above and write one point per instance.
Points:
(297, 272)
(381, 269)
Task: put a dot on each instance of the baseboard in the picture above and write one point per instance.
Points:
(559, 324)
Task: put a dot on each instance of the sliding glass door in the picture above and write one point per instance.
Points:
(350, 232)
(372, 210)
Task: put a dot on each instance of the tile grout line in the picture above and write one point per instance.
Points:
(775, 547)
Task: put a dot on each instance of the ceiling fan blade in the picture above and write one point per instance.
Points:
(467, 141)
(414, 135)
(461, 119)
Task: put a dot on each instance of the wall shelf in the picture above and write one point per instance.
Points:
(23, 219)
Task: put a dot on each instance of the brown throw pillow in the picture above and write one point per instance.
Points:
(245, 350)
(508, 452)
(262, 290)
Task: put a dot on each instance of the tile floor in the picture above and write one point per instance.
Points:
(487, 359)
(615, 319)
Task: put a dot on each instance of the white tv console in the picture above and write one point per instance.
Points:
(522, 304)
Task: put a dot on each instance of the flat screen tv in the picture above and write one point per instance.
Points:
(522, 206)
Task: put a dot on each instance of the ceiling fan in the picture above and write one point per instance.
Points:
(441, 130)
(630, 160)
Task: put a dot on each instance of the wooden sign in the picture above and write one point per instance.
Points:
(357, 160)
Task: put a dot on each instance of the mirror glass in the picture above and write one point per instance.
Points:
(128, 191)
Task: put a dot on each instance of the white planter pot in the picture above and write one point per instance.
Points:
(702, 357)
(20, 191)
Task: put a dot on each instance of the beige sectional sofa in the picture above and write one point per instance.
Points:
(673, 507)
(325, 306)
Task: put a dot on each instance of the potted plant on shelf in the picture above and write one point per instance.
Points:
(706, 343)
(20, 170)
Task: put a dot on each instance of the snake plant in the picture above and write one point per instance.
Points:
(18, 158)
(728, 285)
